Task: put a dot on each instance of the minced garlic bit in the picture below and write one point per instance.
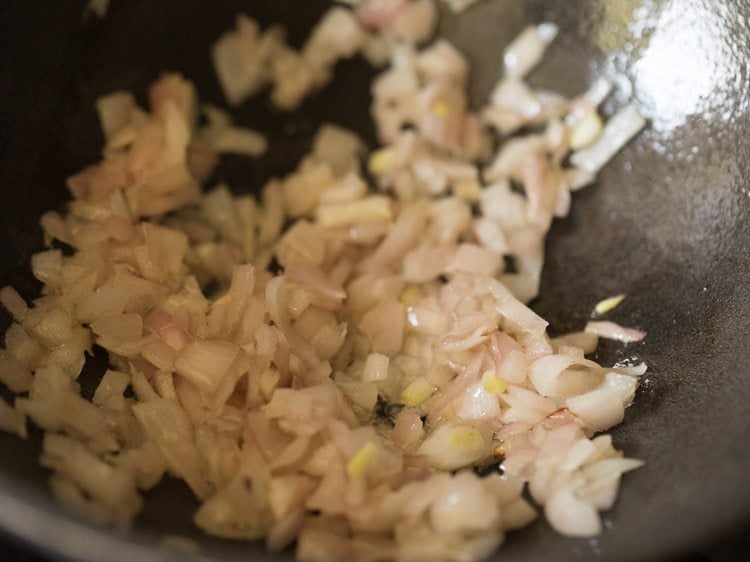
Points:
(607, 305)
(440, 109)
(411, 295)
(381, 161)
(417, 392)
(492, 384)
(357, 466)
(452, 446)
(586, 130)
(468, 190)
(466, 438)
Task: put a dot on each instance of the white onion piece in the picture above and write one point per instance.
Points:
(604, 480)
(449, 219)
(114, 112)
(618, 130)
(217, 118)
(609, 467)
(599, 409)
(518, 514)
(427, 320)
(518, 97)
(478, 404)
(455, 388)
(578, 453)
(415, 22)
(206, 362)
(376, 367)
(47, 266)
(442, 61)
(13, 303)
(453, 446)
(552, 373)
(403, 235)
(510, 307)
(624, 385)
(337, 35)
(513, 157)
(578, 179)
(13, 373)
(598, 91)
(545, 371)
(490, 235)
(276, 303)
(239, 57)
(239, 140)
(427, 263)
(514, 367)
(612, 331)
(499, 203)
(12, 420)
(464, 506)
(164, 422)
(526, 50)
(408, 430)
(338, 147)
(526, 406)
(378, 13)
(557, 444)
(635, 370)
(584, 340)
(601, 493)
(475, 260)
(312, 278)
(571, 516)
(564, 201)
(384, 326)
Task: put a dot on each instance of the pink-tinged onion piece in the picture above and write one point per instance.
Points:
(612, 331)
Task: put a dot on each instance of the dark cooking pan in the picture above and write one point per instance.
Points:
(668, 224)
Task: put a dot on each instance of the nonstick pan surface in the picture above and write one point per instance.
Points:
(668, 223)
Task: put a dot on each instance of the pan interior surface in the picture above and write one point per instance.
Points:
(668, 223)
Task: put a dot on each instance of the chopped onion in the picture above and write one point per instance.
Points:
(464, 505)
(598, 91)
(13, 373)
(617, 132)
(311, 362)
(206, 362)
(12, 420)
(376, 368)
(571, 516)
(238, 140)
(526, 50)
(452, 446)
(408, 430)
(369, 209)
(613, 331)
(599, 409)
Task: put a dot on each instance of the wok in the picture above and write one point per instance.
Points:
(668, 224)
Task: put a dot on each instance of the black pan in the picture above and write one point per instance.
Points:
(668, 224)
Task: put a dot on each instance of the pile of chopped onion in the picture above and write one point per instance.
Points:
(350, 402)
